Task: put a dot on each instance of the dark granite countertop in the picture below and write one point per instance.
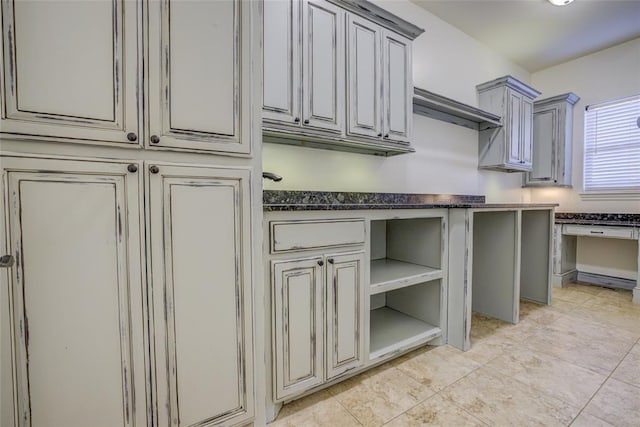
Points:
(277, 200)
(614, 219)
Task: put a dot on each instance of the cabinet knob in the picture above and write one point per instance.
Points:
(132, 137)
(380, 134)
(320, 263)
(296, 120)
(330, 260)
(154, 169)
(133, 168)
(306, 122)
(386, 136)
(6, 261)
(154, 139)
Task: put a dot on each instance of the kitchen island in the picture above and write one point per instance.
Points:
(357, 279)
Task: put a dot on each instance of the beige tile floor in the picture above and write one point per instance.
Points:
(576, 362)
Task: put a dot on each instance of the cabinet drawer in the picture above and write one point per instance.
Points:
(599, 231)
(299, 235)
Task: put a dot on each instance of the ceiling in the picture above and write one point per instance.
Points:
(535, 34)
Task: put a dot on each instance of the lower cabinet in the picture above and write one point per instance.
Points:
(80, 345)
(318, 319)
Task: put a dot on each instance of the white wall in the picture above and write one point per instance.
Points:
(608, 74)
(445, 61)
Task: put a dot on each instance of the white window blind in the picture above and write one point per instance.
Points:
(612, 146)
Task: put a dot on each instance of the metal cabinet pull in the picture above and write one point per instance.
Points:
(320, 263)
(155, 139)
(306, 122)
(132, 137)
(296, 120)
(133, 168)
(6, 261)
(330, 260)
(154, 169)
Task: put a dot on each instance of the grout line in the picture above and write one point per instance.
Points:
(604, 382)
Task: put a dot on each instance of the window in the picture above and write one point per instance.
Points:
(612, 146)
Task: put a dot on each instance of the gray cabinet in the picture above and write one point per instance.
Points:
(317, 301)
(379, 82)
(397, 87)
(297, 325)
(337, 74)
(306, 292)
(508, 148)
(93, 88)
(304, 68)
(552, 141)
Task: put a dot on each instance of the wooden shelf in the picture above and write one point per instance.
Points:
(388, 274)
(391, 331)
(439, 107)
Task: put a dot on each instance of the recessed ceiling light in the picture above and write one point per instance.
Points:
(560, 2)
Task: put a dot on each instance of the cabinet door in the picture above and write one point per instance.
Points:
(526, 137)
(57, 84)
(199, 74)
(282, 63)
(545, 135)
(398, 87)
(364, 103)
(323, 70)
(297, 326)
(73, 305)
(345, 313)
(514, 128)
(200, 269)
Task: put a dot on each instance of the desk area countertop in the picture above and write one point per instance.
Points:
(609, 219)
(279, 200)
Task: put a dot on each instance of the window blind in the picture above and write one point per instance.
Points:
(612, 146)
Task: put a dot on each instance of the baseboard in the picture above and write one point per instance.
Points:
(606, 281)
(561, 280)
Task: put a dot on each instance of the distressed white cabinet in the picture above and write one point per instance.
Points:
(318, 320)
(201, 280)
(552, 141)
(306, 76)
(199, 75)
(345, 305)
(364, 71)
(304, 72)
(298, 325)
(397, 87)
(379, 82)
(282, 61)
(91, 89)
(508, 148)
(56, 84)
(73, 317)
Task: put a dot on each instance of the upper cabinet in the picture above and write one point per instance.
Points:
(552, 141)
(508, 148)
(56, 84)
(306, 76)
(91, 89)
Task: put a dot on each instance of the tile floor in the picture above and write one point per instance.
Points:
(576, 362)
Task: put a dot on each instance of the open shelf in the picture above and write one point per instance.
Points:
(403, 318)
(392, 330)
(440, 107)
(388, 274)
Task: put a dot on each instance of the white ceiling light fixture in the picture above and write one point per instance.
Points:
(560, 2)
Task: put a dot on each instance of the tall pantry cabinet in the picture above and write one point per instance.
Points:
(131, 195)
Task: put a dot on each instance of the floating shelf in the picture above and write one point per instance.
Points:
(439, 107)
(391, 330)
(388, 274)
